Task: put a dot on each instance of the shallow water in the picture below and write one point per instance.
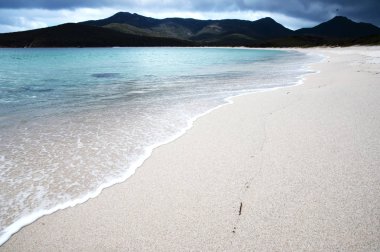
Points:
(73, 121)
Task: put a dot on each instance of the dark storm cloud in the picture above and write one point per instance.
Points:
(313, 10)
(319, 10)
(48, 4)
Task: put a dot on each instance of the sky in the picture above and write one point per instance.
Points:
(19, 15)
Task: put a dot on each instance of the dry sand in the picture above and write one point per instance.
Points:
(304, 162)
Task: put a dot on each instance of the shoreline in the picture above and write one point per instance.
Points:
(72, 213)
(30, 219)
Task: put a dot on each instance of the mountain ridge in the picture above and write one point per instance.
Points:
(131, 29)
(78, 35)
(192, 28)
(341, 27)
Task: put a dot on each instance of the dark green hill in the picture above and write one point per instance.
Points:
(192, 29)
(126, 29)
(340, 27)
(78, 35)
(369, 40)
(125, 18)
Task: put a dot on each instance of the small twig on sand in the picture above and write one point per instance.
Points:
(241, 206)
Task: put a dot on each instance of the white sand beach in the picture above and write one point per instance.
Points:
(294, 169)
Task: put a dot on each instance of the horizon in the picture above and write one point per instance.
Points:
(21, 15)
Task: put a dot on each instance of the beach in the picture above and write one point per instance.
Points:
(291, 169)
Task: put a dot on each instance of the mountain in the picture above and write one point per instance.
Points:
(78, 35)
(340, 27)
(125, 18)
(127, 29)
(192, 29)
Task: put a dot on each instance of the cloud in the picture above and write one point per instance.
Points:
(319, 10)
(25, 19)
(49, 4)
(14, 20)
(27, 14)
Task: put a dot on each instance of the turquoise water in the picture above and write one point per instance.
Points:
(73, 121)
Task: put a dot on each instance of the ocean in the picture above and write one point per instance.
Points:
(75, 121)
